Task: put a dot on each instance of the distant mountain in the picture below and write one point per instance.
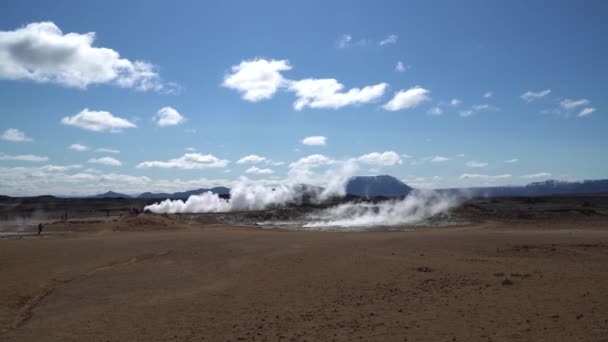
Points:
(549, 187)
(376, 186)
(220, 190)
(111, 194)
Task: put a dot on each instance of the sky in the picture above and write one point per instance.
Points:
(163, 96)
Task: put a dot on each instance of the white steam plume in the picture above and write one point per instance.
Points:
(416, 207)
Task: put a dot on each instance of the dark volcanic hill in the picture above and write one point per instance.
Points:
(111, 194)
(377, 186)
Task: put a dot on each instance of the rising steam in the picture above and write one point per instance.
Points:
(249, 196)
(416, 207)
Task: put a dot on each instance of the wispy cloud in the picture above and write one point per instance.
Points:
(474, 163)
(258, 171)
(23, 157)
(530, 96)
(586, 111)
(537, 175)
(108, 161)
(391, 39)
(15, 135)
(400, 67)
(188, 161)
(78, 147)
(344, 40)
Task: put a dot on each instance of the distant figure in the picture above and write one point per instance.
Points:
(39, 228)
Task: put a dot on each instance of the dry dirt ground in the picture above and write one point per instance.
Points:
(157, 278)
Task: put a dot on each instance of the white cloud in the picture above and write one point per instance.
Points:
(107, 150)
(109, 161)
(568, 104)
(400, 67)
(24, 157)
(251, 159)
(59, 168)
(511, 161)
(78, 147)
(168, 116)
(438, 159)
(97, 121)
(479, 107)
(311, 161)
(190, 149)
(435, 111)
(258, 171)
(488, 94)
(391, 39)
(474, 163)
(344, 40)
(455, 102)
(530, 96)
(406, 99)
(42, 53)
(15, 135)
(586, 111)
(485, 177)
(257, 79)
(317, 140)
(387, 158)
(188, 161)
(537, 175)
(326, 93)
(475, 108)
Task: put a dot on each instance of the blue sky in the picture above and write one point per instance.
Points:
(461, 117)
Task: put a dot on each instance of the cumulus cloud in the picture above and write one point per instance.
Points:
(484, 177)
(188, 161)
(109, 161)
(400, 67)
(586, 111)
(391, 39)
(78, 147)
(530, 96)
(168, 116)
(316, 140)
(258, 171)
(41, 52)
(344, 40)
(474, 163)
(311, 161)
(387, 158)
(107, 150)
(251, 159)
(568, 104)
(511, 161)
(488, 94)
(15, 135)
(537, 175)
(406, 99)
(257, 79)
(327, 93)
(260, 79)
(23, 157)
(435, 111)
(97, 121)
